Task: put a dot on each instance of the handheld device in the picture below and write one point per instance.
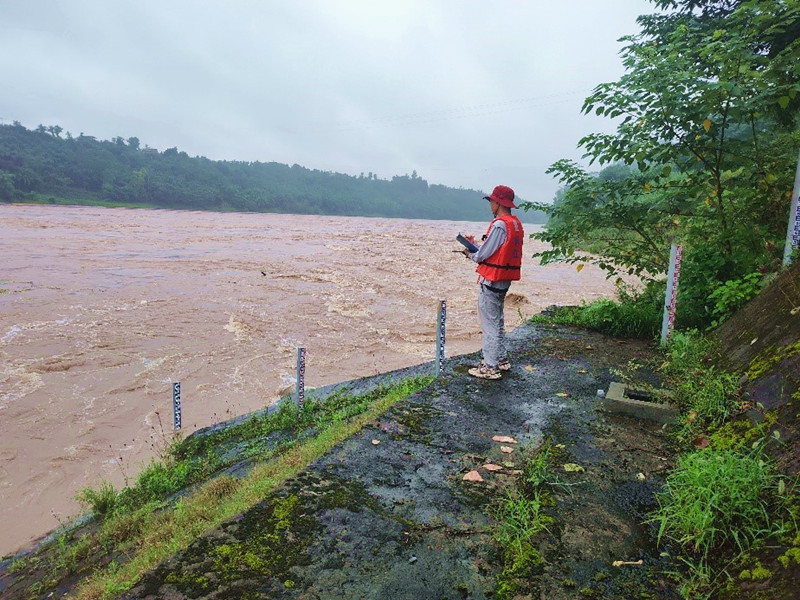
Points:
(466, 243)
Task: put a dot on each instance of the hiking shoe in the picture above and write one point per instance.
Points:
(505, 365)
(483, 371)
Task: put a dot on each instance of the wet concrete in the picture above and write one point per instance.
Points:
(395, 519)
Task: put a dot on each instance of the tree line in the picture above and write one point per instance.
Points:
(47, 164)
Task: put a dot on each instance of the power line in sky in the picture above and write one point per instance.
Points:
(477, 110)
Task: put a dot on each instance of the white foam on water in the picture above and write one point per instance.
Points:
(15, 330)
(11, 334)
(17, 382)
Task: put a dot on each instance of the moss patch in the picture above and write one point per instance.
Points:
(742, 433)
(770, 358)
(415, 422)
(258, 553)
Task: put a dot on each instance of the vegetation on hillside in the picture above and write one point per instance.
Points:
(42, 166)
(704, 154)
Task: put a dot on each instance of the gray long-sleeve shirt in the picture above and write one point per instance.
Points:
(497, 237)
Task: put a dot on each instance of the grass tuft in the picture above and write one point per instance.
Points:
(102, 501)
(522, 518)
(634, 315)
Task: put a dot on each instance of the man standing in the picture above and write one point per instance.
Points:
(499, 260)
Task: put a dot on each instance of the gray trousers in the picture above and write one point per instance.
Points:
(490, 310)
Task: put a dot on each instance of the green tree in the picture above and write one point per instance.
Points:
(707, 116)
(7, 190)
(120, 172)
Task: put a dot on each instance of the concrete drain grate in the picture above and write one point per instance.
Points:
(624, 399)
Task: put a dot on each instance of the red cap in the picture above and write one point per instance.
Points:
(503, 195)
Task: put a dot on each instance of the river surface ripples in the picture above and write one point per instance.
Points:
(101, 309)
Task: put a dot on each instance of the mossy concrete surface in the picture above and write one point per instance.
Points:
(387, 514)
(763, 340)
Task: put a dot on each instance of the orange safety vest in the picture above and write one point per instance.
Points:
(505, 263)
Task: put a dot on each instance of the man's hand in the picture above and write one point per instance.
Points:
(470, 238)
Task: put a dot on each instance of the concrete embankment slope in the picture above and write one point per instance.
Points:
(388, 514)
(763, 340)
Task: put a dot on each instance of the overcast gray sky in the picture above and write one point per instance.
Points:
(468, 93)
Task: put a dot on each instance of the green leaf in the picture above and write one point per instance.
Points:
(783, 101)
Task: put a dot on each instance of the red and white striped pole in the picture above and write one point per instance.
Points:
(671, 298)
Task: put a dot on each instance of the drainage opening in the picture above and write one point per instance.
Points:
(638, 395)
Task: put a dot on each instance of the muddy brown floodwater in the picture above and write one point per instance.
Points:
(101, 309)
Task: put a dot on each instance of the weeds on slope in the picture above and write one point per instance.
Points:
(522, 518)
(725, 496)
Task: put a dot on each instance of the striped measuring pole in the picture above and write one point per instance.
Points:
(300, 391)
(440, 336)
(176, 405)
(793, 230)
(671, 298)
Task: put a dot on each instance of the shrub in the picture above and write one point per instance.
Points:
(635, 315)
(101, 501)
(730, 296)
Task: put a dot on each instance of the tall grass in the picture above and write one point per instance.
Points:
(715, 503)
(707, 395)
(634, 314)
(713, 498)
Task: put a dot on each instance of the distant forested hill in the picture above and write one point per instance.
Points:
(42, 165)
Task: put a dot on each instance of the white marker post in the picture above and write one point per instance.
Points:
(301, 378)
(793, 230)
(440, 336)
(176, 405)
(671, 297)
